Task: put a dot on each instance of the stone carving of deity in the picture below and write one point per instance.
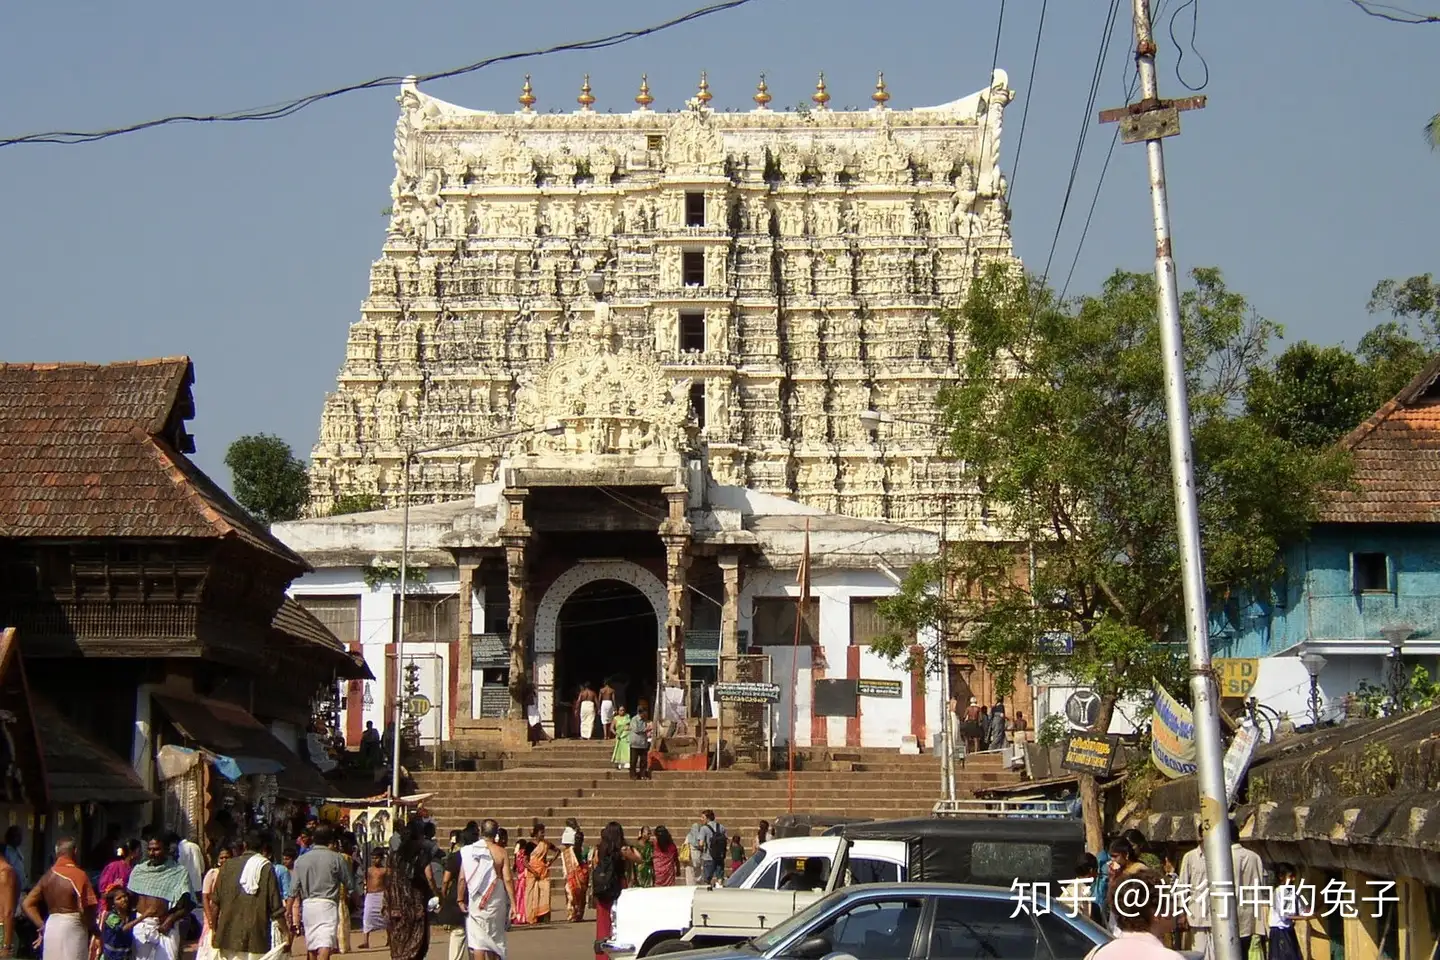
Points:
(387, 415)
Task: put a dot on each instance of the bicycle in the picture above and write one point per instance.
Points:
(1266, 719)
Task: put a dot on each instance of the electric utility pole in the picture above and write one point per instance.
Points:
(1151, 120)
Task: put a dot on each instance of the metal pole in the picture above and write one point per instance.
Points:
(1209, 760)
(400, 630)
(947, 719)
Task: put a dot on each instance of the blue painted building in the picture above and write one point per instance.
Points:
(1366, 584)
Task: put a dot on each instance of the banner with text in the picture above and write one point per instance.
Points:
(1172, 736)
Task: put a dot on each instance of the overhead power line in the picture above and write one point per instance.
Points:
(291, 107)
(1394, 14)
(1029, 89)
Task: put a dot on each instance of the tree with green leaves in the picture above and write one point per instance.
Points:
(1315, 395)
(269, 480)
(355, 503)
(1059, 421)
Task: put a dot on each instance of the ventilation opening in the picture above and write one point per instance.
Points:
(694, 209)
(654, 141)
(692, 268)
(692, 332)
(697, 404)
(1372, 572)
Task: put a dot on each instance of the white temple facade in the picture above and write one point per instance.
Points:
(624, 357)
(786, 270)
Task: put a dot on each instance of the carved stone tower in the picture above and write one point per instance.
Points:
(776, 272)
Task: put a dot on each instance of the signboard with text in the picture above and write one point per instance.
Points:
(747, 692)
(889, 689)
(1172, 736)
(1236, 676)
(1092, 755)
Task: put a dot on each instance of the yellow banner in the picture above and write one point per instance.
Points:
(1237, 676)
(1172, 736)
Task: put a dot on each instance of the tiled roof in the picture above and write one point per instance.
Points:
(90, 450)
(1396, 459)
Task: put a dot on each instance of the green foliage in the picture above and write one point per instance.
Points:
(1059, 419)
(1053, 730)
(355, 503)
(1312, 396)
(377, 572)
(270, 482)
(1417, 693)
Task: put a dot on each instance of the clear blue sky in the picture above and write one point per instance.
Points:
(248, 246)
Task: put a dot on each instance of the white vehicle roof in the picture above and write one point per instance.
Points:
(816, 846)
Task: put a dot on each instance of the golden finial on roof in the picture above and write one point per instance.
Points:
(586, 98)
(881, 95)
(762, 96)
(643, 97)
(704, 95)
(821, 96)
(527, 95)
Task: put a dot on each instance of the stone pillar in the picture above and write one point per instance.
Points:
(729, 628)
(515, 534)
(462, 712)
(675, 532)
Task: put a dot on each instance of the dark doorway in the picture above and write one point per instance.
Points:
(607, 631)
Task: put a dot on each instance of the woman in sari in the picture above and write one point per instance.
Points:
(577, 878)
(666, 858)
(518, 913)
(407, 896)
(620, 756)
(542, 855)
(645, 869)
(205, 950)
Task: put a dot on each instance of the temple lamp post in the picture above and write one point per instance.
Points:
(1314, 663)
(1396, 634)
(411, 452)
(871, 420)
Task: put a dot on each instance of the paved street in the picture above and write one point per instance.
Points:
(552, 941)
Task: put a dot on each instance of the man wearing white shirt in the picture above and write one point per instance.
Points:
(189, 855)
(1249, 874)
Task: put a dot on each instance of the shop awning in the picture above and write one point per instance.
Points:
(232, 733)
(80, 769)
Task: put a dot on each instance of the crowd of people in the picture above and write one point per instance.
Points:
(1128, 857)
(260, 895)
(988, 727)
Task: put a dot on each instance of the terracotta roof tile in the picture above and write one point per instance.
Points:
(92, 450)
(1396, 459)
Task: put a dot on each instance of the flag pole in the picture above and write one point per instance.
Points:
(800, 604)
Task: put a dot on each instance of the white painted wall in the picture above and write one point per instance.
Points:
(882, 722)
(377, 608)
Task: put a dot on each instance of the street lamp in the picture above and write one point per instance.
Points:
(1314, 663)
(411, 452)
(1396, 634)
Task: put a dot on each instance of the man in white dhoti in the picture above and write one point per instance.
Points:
(486, 894)
(322, 878)
(585, 707)
(161, 889)
(70, 905)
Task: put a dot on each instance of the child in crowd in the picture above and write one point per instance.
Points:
(116, 940)
(737, 853)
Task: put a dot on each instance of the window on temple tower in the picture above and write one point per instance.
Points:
(697, 402)
(694, 209)
(692, 268)
(692, 332)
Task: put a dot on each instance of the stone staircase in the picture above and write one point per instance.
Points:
(574, 778)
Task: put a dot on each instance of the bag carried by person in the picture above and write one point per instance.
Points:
(716, 844)
(683, 856)
(605, 881)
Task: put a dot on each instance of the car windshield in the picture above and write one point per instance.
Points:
(779, 934)
(738, 878)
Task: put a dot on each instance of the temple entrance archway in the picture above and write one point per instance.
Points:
(616, 625)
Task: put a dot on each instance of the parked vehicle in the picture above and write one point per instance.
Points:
(787, 875)
(648, 920)
(918, 921)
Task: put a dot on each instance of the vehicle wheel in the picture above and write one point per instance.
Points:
(673, 945)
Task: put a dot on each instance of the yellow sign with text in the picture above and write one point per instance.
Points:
(1237, 677)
